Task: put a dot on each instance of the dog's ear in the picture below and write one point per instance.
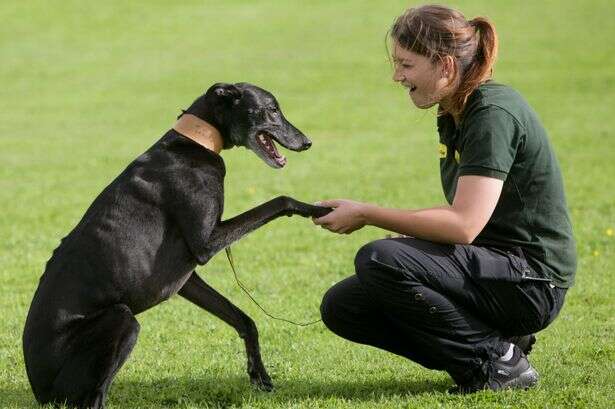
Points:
(227, 92)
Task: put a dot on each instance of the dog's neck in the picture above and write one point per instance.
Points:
(199, 131)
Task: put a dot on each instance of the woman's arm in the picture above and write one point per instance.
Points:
(474, 202)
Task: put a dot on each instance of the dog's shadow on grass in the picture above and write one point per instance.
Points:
(17, 397)
(236, 390)
(225, 391)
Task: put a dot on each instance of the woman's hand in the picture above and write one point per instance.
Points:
(346, 217)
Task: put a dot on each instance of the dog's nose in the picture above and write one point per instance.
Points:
(306, 145)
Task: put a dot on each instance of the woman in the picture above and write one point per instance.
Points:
(475, 278)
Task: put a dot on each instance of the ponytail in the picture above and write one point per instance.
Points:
(480, 67)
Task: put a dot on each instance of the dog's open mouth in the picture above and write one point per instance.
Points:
(266, 142)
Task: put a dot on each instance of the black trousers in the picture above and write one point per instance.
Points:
(446, 307)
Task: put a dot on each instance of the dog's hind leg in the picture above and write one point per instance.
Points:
(198, 292)
(95, 350)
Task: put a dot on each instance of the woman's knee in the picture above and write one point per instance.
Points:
(327, 308)
(330, 305)
(380, 260)
(341, 303)
(379, 251)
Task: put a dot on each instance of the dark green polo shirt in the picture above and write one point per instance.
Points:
(500, 136)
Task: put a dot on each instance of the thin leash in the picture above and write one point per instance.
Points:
(229, 255)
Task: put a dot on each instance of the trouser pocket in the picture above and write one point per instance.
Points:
(505, 265)
(496, 265)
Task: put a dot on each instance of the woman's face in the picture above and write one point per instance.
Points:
(427, 82)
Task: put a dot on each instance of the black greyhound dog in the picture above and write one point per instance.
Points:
(139, 242)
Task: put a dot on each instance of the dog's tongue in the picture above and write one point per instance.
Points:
(271, 149)
(280, 160)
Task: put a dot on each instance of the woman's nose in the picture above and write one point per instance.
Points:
(397, 76)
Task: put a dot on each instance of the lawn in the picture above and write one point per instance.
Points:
(87, 86)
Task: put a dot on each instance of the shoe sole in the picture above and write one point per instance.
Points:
(526, 380)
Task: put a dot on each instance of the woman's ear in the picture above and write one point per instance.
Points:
(448, 68)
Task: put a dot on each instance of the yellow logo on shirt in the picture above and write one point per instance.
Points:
(443, 150)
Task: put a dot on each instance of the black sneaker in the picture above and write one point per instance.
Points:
(524, 342)
(517, 373)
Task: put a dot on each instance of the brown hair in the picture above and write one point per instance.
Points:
(437, 31)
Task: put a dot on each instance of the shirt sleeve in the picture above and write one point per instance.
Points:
(489, 142)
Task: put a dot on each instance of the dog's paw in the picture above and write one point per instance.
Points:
(319, 211)
(307, 210)
(292, 207)
(262, 381)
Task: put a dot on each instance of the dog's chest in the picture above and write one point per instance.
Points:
(159, 290)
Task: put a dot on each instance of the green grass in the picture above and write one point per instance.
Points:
(87, 87)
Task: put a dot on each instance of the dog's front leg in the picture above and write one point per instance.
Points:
(231, 230)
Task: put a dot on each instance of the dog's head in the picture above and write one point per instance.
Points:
(246, 115)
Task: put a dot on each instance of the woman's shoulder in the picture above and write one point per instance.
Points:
(493, 95)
